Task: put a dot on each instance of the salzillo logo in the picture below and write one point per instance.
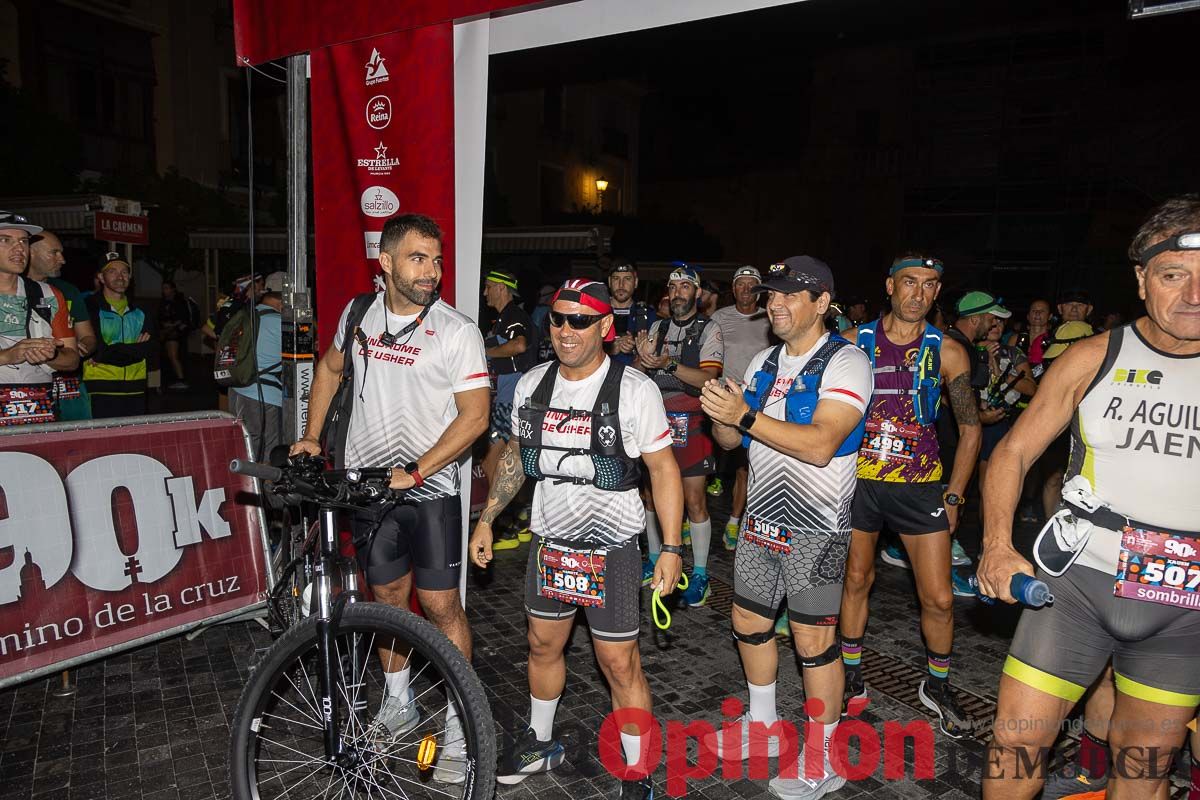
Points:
(379, 111)
(376, 71)
(372, 240)
(379, 201)
(380, 164)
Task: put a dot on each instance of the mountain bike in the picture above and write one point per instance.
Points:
(308, 722)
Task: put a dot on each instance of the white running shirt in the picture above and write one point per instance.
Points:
(404, 398)
(585, 513)
(786, 491)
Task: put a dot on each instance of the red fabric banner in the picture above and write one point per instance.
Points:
(269, 29)
(111, 535)
(382, 144)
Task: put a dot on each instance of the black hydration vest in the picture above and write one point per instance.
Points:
(615, 470)
(689, 355)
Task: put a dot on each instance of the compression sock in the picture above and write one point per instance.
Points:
(762, 702)
(653, 537)
(939, 668)
(701, 540)
(736, 521)
(852, 659)
(541, 717)
(1093, 755)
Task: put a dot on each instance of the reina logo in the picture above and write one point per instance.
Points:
(379, 201)
(1138, 377)
(376, 71)
(379, 111)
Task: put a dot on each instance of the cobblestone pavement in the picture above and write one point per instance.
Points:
(153, 723)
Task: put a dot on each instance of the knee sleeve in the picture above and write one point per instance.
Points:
(828, 657)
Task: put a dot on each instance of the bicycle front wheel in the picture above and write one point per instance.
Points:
(278, 745)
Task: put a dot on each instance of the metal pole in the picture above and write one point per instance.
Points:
(298, 330)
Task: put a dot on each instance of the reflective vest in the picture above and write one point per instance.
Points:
(615, 471)
(926, 388)
(804, 393)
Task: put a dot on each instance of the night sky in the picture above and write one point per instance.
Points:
(1029, 139)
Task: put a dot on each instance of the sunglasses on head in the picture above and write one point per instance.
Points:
(579, 322)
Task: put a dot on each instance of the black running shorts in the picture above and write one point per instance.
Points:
(423, 538)
(908, 508)
(619, 619)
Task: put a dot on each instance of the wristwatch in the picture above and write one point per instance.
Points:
(951, 499)
(673, 548)
(747, 420)
(411, 469)
(671, 366)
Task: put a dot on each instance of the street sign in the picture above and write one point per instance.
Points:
(128, 228)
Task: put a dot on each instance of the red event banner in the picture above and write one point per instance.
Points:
(128, 228)
(382, 144)
(112, 535)
(267, 29)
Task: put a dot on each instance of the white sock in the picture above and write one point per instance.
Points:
(762, 703)
(397, 683)
(736, 522)
(541, 717)
(701, 539)
(631, 743)
(827, 731)
(653, 537)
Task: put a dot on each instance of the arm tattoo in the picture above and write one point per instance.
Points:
(962, 400)
(509, 479)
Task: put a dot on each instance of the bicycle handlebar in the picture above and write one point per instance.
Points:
(305, 478)
(261, 471)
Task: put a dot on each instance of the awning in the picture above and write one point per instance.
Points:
(266, 240)
(71, 214)
(550, 239)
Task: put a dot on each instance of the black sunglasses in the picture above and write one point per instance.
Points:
(579, 322)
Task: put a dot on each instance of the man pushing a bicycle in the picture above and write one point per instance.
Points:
(582, 423)
(406, 386)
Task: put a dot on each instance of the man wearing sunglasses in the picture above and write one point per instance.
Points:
(581, 425)
(681, 354)
(801, 418)
(1122, 558)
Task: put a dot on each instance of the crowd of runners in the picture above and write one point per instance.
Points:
(829, 428)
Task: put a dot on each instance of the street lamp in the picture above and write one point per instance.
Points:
(601, 188)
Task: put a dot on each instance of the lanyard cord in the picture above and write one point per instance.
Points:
(657, 606)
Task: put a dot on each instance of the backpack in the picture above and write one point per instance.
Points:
(35, 302)
(236, 362)
(195, 316)
(926, 390)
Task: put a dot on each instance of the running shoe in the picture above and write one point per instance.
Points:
(696, 594)
(647, 572)
(528, 756)
(731, 536)
(954, 722)
(1070, 781)
(783, 626)
(805, 788)
(397, 716)
(958, 556)
(641, 789)
(452, 758)
(855, 694)
(686, 532)
(891, 554)
(1028, 513)
(715, 488)
(506, 540)
(961, 586)
(749, 739)
(521, 526)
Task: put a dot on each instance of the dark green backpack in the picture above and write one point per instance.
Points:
(236, 363)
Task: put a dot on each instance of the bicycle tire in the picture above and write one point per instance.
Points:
(272, 698)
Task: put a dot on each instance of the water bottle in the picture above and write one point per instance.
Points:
(1028, 591)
